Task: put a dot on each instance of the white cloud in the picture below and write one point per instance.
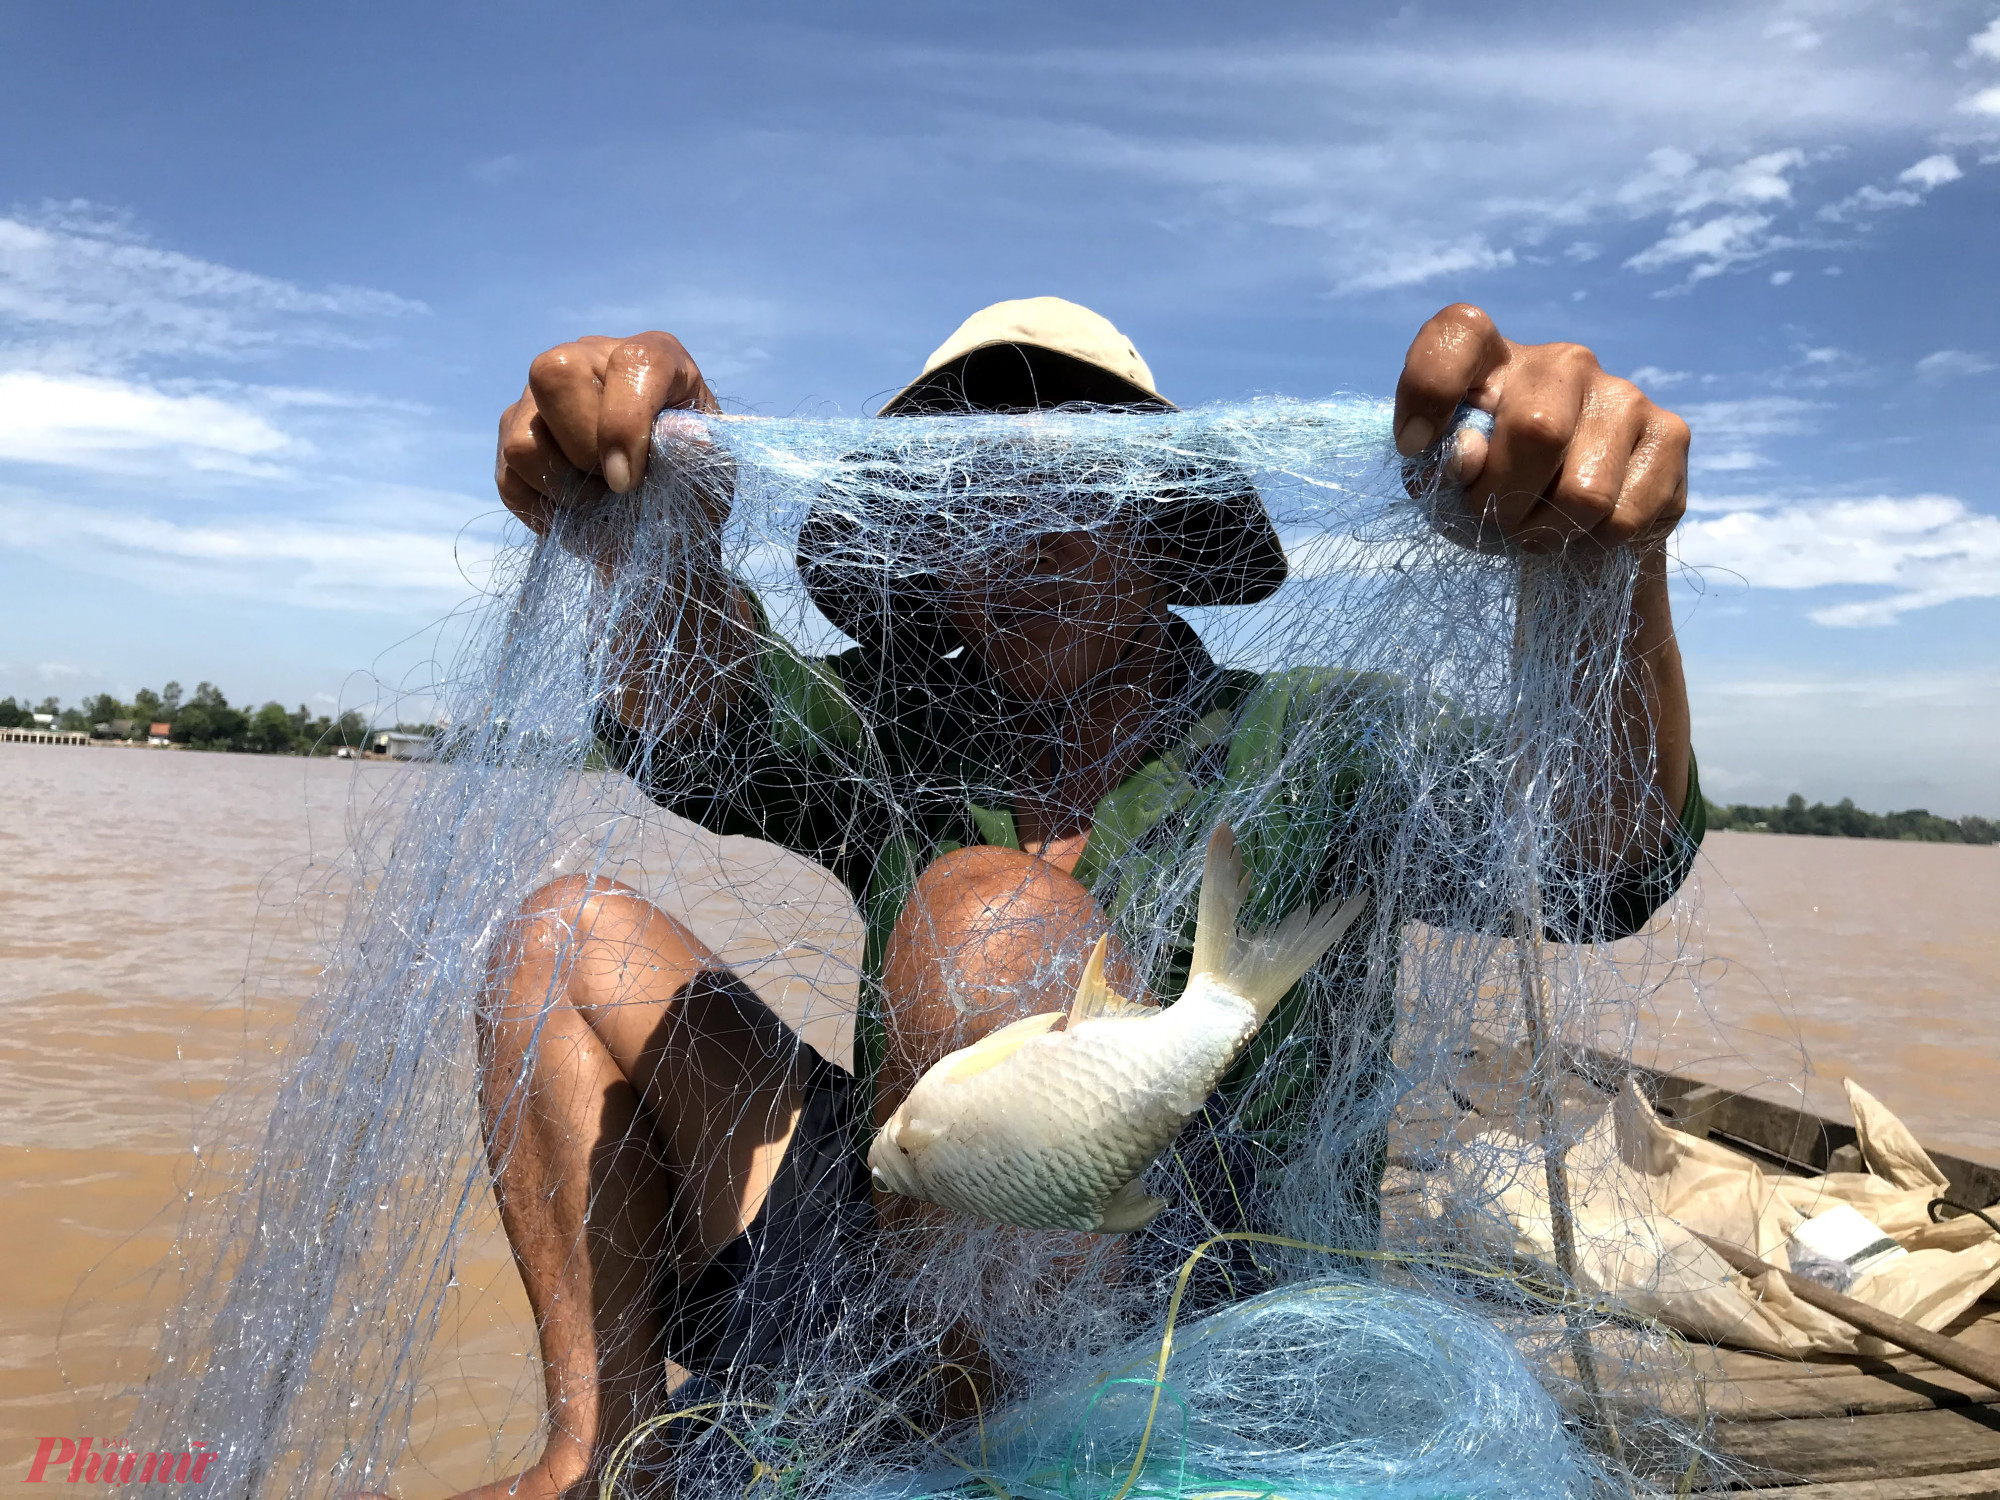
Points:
(93, 422)
(1727, 461)
(1824, 367)
(294, 561)
(1794, 32)
(1918, 180)
(1653, 378)
(82, 287)
(1869, 199)
(1779, 278)
(1728, 434)
(1414, 264)
(1713, 245)
(95, 314)
(1925, 550)
(1987, 43)
(1756, 417)
(1931, 172)
(1952, 364)
(1985, 102)
(1675, 181)
(1383, 151)
(1699, 501)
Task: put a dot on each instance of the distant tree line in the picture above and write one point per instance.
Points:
(1845, 820)
(204, 720)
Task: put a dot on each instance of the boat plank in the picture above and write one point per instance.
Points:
(1909, 1444)
(1837, 1392)
(1977, 1484)
(1978, 1328)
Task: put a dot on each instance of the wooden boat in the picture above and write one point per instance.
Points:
(1828, 1428)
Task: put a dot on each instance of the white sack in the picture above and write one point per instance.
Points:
(1640, 1191)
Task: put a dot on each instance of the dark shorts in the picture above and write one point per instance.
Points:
(781, 1285)
(779, 1282)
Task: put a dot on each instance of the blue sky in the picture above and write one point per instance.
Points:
(267, 275)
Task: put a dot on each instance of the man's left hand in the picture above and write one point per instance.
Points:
(1576, 455)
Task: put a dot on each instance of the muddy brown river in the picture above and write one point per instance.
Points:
(162, 911)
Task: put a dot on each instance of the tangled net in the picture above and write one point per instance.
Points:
(1437, 724)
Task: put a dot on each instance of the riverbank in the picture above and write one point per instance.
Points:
(333, 752)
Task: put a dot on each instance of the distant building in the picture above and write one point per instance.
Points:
(398, 746)
(159, 734)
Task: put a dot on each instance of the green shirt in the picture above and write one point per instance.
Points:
(1332, 780)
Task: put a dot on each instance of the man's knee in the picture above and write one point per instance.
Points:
(579, 942)
(994, 898)
(990, 931)
(571, 910)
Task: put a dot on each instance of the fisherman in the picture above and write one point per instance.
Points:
(672, 1161)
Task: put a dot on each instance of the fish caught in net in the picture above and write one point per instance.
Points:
(1001, 679)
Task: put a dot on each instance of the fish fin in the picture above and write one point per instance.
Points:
(1092, 992)
(906, 1134)
(1096, 1000)
(992, 1049)
(1262, 967)
(1130, 1208)
(1221, 899)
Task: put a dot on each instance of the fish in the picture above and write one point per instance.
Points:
(1051, 1121)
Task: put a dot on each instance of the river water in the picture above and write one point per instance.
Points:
(161, 912)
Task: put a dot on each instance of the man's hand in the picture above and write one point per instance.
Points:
(1577, 458)
(584, 424)
(1575, 455)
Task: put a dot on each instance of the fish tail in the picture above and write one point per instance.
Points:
(1130, 1208)
(1262, 966)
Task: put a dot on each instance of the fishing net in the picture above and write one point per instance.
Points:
(777, 639)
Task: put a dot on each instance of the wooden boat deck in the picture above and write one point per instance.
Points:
(1845, 1429)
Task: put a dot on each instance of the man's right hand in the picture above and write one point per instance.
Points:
(584, 424)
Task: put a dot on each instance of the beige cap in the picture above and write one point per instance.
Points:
(1219, 546)
(1050, 323)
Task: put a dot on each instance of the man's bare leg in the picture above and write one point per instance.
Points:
(611, 1133)
(637, 1107)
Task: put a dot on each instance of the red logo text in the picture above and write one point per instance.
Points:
(61, 1460)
